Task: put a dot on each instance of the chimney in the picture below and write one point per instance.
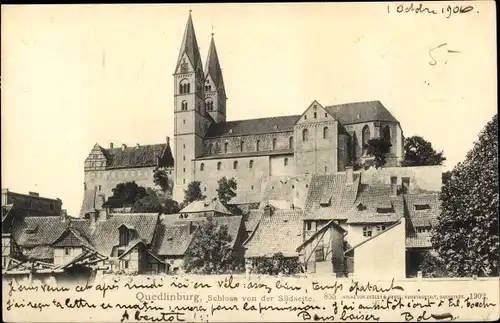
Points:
(33, 194)
(103, 214)
(349, 172)
(168, 140)
(137, 146)
(111, 145)
(394, 185)
(124, 146)
(64, 215)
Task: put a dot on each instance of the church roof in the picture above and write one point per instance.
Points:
(189, 46)
(212, 66)
(139, 156)
(213, 205)
(356, 112)
(252, 126)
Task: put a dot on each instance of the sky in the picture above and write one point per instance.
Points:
(77, 75)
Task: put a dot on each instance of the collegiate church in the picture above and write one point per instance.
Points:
(265, 154)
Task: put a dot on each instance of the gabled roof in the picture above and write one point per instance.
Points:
(398, 222)
(48, 229)
(189, 46)
(213, 205)
(212, 67)
(332, 223)
(335, 188)
(356, 112)
(139, 156)
(279, 233)
(72, 238)
(252, 126)
(106, 233)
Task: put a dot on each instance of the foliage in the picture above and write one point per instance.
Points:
(419, 152)
(445, 177)
(226, 190)
(155, 203)
(378, 148)
(160, 178)
(432, 266)
(276, 265)
(466, 236)
(125, 194)
(193, 193)
(210, 252)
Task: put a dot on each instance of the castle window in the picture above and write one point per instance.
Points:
(315, 115)
(184, 170)
(235, 164)
(218, 165)
(183, 121)
(366, 135)
(184, 105)
(250, 164)
(242, 143)
(305, 135)
(274, 143)
(184, 87)
(326, 133)
(183, 145)
(326, 115)
(210, 105)
(183, 157)
(251, 187)
(258, 145)
(367, 231)
(202, 166)
(290, 142)
(285, 161)
(225, 147)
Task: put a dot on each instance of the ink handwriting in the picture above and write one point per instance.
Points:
(447, 11)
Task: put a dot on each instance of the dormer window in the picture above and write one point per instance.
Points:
(32, 228)
(361, 207)
(325, 200)
(124, 235)
(422, 207)
(383, 210)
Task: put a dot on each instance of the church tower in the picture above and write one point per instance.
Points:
(215, 93)
(191, 122)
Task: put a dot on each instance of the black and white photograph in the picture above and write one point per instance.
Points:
(250, 162)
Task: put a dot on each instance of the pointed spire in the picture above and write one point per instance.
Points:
(212, 66)
(189, 45)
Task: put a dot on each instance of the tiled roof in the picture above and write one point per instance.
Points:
(334, 190)
(419, 240)
(71, 238)
(361, 112)
(141, 156)
(426, 217)
(106, 234)
(42, 252)
(252, 126)
(252, 218)
(247, 154)
(47, 230)
(6, 210)
(281, 232)
(212, 67)
(189, 45)
(205, 206)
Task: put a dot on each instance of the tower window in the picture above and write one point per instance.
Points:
(315, 115)
(285, 161)
(258, 145)
(184, 106)
(183, 121)
(184, 87)
(183, 157)
(219, 165)
(305, 117)
(210, 105)
(274, 143)
(250, 164)
(305, 135)
(202, 166)
(242, 143)
(290, 142)
(225, 147)
(184, 170)
(326, 132)
(235, 164)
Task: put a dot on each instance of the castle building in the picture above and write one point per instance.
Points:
(321, 140)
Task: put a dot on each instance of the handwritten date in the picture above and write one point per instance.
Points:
(421, 8)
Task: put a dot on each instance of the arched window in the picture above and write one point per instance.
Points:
(274, 143)
(386, 133)
(199, 107)
(366, 134)
(202, 166)
(305, 135)
(225, 147)
(210, 105)
(285, 162)
(250, 164)
(325, 133)
(258, 145)
(242, 143)
(183, 87)
(290, 142)
(235, 164)
(184, 105)
(219, 165)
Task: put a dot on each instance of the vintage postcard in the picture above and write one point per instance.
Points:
(250, 162)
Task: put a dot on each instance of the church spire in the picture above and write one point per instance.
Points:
(212, 67)
(189, 46)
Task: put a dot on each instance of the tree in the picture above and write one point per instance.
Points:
(160, 178)
(378, 148)
(193, 193)
(226, 190)
(419, 152)
(278, 264)
(466, 236)
(210, 252)
(125, 194)
(155, 203)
